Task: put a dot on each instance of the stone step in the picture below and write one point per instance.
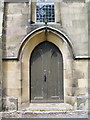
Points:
(50, 107)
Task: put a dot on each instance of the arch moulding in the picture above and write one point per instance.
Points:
(27, 46)
(49, 29)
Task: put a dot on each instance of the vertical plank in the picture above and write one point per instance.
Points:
(46, 73)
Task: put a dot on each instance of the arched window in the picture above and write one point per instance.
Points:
(45, 11)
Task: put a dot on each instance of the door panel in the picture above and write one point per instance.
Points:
(46, 73)
(37, 76)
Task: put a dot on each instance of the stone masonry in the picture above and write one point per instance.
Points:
(73, 21)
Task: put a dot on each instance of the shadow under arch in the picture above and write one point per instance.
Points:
(55, 31)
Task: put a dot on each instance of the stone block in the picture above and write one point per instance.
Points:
(81, 100)
(71, 91)
(10, 103)
(82, 91)
(17, 21)
(25, 9)
(18, 30)
(13, 92)
(71, 100)
(8, 18)
(79, 24)
(82, 83)
(12, 80)
(15, 8)
(80, 70)
(11, 66)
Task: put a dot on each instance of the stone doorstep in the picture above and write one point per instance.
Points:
(55, 112)
(50, 107)
(28, 114)
(49, 110)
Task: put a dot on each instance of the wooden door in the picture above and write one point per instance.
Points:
(46, 70)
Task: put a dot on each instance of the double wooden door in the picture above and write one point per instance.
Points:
(46, 74)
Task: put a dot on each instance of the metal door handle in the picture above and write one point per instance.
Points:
(44, 78)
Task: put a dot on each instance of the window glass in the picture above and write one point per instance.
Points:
(45, 11)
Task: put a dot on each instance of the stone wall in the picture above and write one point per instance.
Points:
(1, 27)
(74, 17)
(74, 21)
(15, 27)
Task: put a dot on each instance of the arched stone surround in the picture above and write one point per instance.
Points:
(28, 45)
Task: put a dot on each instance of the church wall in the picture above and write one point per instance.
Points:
(15, 27)
(74, 19)
(73, 23)
(12, 79)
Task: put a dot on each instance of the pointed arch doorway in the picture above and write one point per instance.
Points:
(46, 74)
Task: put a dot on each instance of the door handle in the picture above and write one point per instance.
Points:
(44, 78)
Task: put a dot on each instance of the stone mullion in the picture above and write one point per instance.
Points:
(33, 11)
(57, 11)
(29, 18)
(1, 27)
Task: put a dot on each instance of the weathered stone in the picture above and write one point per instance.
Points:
(82, 91)
(81, 102)
(74, 17)
(71, 91)
(70, 100)
(12, 8)
(75, 26)
(82, 83)
(10, 103)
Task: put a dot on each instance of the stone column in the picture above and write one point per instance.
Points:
(1, 21)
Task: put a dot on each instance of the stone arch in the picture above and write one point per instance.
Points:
(57, 32)
(28, 45)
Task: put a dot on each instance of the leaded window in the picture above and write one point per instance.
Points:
(45, 11)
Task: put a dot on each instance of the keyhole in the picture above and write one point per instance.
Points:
(45, 78)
